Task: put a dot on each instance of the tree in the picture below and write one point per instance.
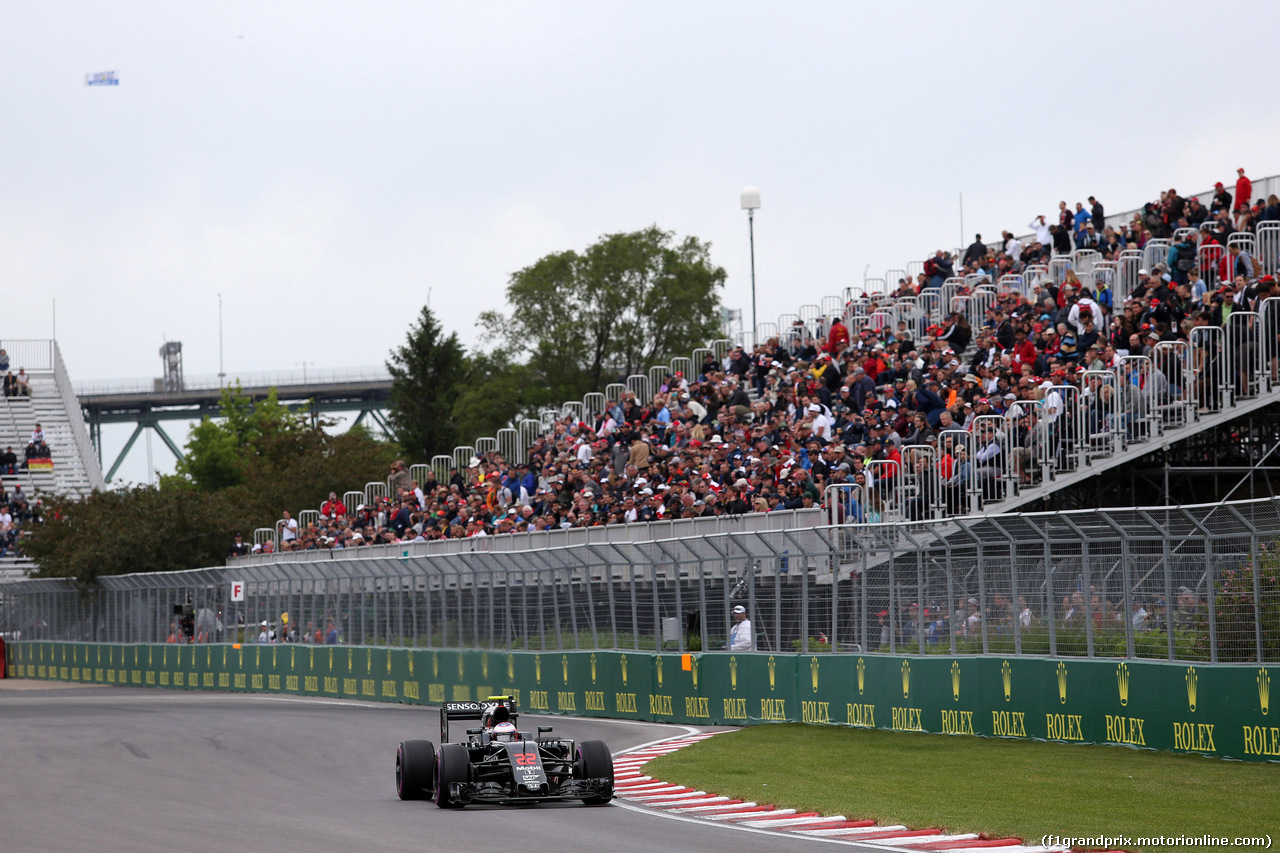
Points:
(426, 376)
(220, 453)
(134, 529)
(622, 305)
(496, 394)
(240, 472)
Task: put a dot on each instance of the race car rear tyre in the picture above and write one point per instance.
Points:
(453, 764)
(596, 762)
(415, 769)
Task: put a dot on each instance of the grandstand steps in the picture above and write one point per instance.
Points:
(46, 406)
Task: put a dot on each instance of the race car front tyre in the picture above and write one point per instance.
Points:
(415, 769)
(453, 764)
(596, 762)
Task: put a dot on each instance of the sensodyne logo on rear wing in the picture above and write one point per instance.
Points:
(471, 707)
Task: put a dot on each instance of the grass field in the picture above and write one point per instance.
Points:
(1000, 787)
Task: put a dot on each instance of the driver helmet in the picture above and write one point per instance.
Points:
(504, 732)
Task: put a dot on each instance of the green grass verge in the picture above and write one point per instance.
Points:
(968, 784)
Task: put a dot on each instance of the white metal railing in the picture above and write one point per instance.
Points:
(75, 415)
(258, 379)
(651, 531)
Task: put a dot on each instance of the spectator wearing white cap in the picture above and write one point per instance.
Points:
(821, 424)
(741, 638)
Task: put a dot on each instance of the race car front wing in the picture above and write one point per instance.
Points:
(499, 792)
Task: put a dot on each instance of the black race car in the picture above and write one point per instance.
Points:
(498, 763)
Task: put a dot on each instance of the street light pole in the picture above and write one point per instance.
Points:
(751, 203)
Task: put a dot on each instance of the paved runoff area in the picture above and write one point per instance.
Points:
(636, 788)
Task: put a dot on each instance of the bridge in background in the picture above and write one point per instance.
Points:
(147, 403)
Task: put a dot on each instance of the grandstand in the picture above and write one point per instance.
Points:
(43, 397)
(1035, 367)
(51, 404)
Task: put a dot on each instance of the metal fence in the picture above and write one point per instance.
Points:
(1183, 583)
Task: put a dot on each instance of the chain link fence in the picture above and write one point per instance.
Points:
(1180, 583)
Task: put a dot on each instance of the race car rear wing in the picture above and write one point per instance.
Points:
(473, 711)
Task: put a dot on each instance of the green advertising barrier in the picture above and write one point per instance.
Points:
(1221, 710)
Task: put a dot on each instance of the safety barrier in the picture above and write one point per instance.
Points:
(1269, 247)
(1209, 259)
(1218, 710)
(1155, 251)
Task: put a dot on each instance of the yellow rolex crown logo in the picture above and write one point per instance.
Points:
(693, 668)
(461, 664)
(733, 672)
(511, 667)
(351, 658)
(1191, 688)
(862, 675)
(813, 672)
(906, 678)
(1006, 677)
(1264, 692)
(773, 673)
(593, 667)
(1062, 683)
(955, 680)
(658, 667)
(484, 666)
(537, 668)
(624, 670)
(1122, 682)
(311, 659)
(388, 661)
(435, 664)
(411, 657)
(564, 668)
(368, 660)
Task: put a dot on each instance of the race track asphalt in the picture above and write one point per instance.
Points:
(146, 770)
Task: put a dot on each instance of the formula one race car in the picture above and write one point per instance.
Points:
(501, 764)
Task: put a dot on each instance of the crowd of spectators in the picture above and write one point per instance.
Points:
(15, 385)
(770, 427)
(937, 622)
(17, 516)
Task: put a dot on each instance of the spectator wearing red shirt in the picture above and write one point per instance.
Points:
(875, 363)
(837, 338)
(333, 507)
(1024, 351)
(1244, 190)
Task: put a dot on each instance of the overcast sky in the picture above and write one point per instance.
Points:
(324, 165)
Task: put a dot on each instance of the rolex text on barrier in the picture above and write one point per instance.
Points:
(1222, 710)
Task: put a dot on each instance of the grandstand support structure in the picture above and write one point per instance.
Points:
(1237, 459)
(366, 392)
